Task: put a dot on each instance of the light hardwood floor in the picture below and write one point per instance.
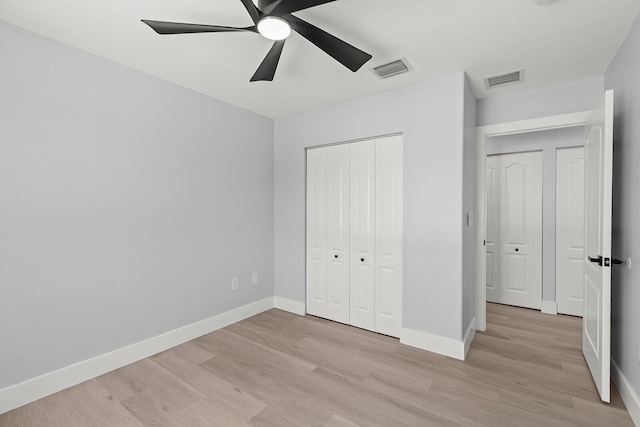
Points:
(279, 369)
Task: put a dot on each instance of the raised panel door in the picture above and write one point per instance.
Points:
(596, 334)
(521, 229)
(337, 228)
(362, 234)
(388, 235)
(316, 272)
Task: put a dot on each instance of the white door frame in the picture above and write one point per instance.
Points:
(482, 134)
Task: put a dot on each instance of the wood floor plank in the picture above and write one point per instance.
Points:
(280, 369)
(210, 412)
(282, 392)
(338, 421)
(228, 397)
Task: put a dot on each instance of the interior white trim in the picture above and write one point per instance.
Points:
(434, 343)
(482, 134)
(549, 307)
(468, 337)
(629, 396)
(20, 394)
(292, 306)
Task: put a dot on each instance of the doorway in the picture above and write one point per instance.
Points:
(483, 134)
(562, 195)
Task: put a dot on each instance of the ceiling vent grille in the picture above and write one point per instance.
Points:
(392, 69)
(504, 79)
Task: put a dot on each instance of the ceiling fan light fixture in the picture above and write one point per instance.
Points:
(274, 28)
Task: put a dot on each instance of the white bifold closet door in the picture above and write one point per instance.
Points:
(328, 232)
(361, 284)
(388, 236)
(354, 234)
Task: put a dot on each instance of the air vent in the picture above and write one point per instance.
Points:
(392, 68)
(504, 79)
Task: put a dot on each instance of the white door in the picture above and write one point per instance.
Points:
(570, 230)
(316, 234)
(521, 229)
(492, 241)
(596, 334)
(354, 234)
(388, 235)
(363, 158)
(338, 233)
(328, 233)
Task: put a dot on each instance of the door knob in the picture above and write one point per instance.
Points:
(597, 260)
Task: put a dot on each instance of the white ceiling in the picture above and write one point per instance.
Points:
(567, 40)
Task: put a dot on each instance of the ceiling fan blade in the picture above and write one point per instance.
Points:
(267, 68)
(253, 11)
(281, 7)
(162, 27)
(348, 55)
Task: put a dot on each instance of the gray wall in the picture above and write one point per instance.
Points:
(623, 76)
(430, 115)
(547, 141)
(565, 98)
(127, 204)
(469, 203)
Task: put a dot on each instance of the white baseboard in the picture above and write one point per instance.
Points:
(628, 394)
(434, 343)
(549, 307)
(20, 394)
(468, 337)
(290, 305)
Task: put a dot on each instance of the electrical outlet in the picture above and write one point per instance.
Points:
(234, 284)
(254, 279)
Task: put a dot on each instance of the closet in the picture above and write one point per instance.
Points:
(354, 233)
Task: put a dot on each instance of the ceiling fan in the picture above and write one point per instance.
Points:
(273, 19)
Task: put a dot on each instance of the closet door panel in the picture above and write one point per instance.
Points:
(492, 242)
(316, 232)
(521, 229)
(337, 222)
(362, 234)
(388, 236)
